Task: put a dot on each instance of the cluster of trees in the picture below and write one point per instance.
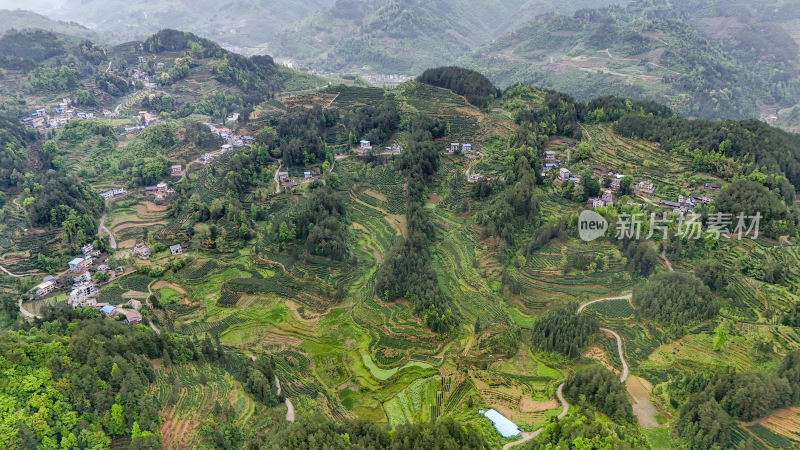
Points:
(424, 123)
(319, 221)
(674, 298)
(22, 50)
(13, 160)
(642, 255)
(87, 381)
(749, 140)
(557, 116)
(561, 330)
(585, 430)
(201, 137)
(516, 206)
(707, 417)
(300, 134)
(54, 79)
(407, 271)
(174, 41)
(159, 102)
(477, 89)
(322, 432)
(112, 84)
(611, 108)
(375, 123)
(750, 197)
(90, 380)
(600, 388)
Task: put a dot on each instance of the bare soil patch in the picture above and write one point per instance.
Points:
(305, 316)
(639, 393)
(375, 194)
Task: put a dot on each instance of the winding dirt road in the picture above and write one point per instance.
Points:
(621, 356)
(15, 275)
(612, 332)
(101, 228)
(25, 313)
(289, 405)
(619, 297)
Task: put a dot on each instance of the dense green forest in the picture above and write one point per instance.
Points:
(475, 87)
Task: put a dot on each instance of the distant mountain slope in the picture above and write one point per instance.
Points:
(23, 20)
(239, 23)
(406, 36)
(703, 58)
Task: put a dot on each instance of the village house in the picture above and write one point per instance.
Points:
(80, 263)
(206, 158)
(283, 176)
(601, 170)
(45, 287)
(607, 197)
(713, 186)
(87, 248)
(111, 193)
(475, 177)
(466, 148)
(145, 118)
(365, 145)
(132, 316)
(176, 249)
(81, 292)
(644, 188)
(141, 250)
(548, 167)
(175, 169)
(225, 147)
(82, 277)
(289, 184)
(563, 174)
(396, 148)
(550, 155)
(307, 175)
(702, 199)
(454, 147)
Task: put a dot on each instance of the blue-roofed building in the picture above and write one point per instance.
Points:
(108, 310)
(505, 427)
(75, 264)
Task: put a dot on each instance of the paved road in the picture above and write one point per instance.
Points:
(621, 356)
(564, 403)
(289, 405)
(101, 228)
(612, 332)
(666, 261)
(528, 435)
(15, 275)
(277, 182)
(619, 297)
(289, 411)
(25, 313)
